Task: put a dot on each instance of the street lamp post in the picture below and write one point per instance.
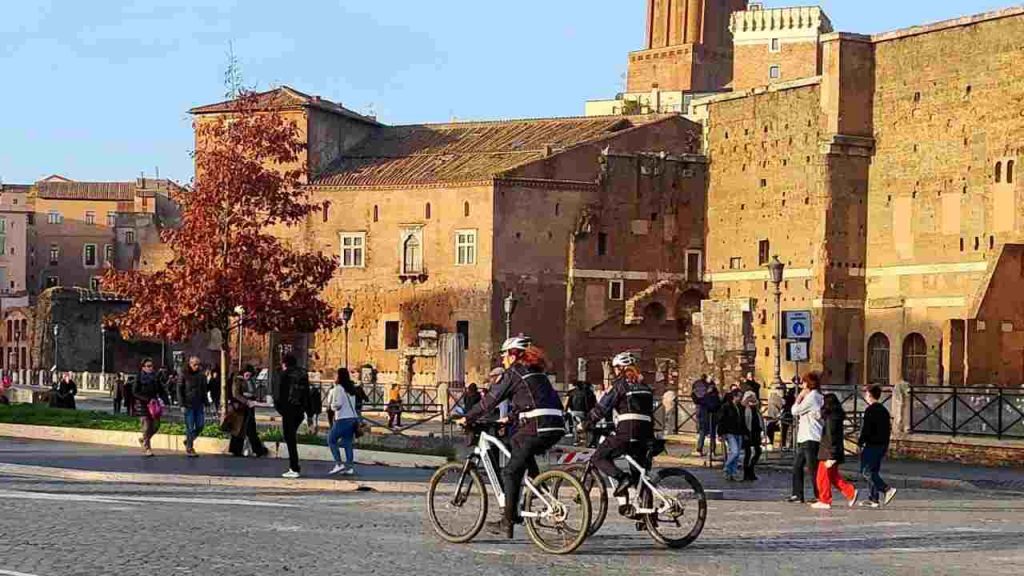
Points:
(56, 331)
(776, 269)
(510, 309)
(346, 317)
(103, 350)
(240, 311)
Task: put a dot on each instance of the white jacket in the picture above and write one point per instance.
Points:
(807, 413)
(342, 403)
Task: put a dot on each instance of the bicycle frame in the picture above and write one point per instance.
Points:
(482, 451)
(663, 504)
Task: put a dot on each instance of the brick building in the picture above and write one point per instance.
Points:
(434, 225)
(883, 170)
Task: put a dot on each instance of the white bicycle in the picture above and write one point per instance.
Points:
(555, 507)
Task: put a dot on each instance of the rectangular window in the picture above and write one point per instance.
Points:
(462, 327)
(108, 252)
(465, 247)
(602, 243)
(89, 259)
(90, 217)
(129, 236)
(53, 217)
(52, 282)
(763, 248)
(735, 263)
(694, 266)
(54, 254)
(776, 45)
(3, 226)
(111, 219)
(775, 72)
(31, 219)
(94, 283)
(615, 289)
(353, 249)
(391, 335)
(3, 245)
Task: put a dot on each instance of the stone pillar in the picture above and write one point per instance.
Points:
(900, 408)
(668, 404)
(693, 21)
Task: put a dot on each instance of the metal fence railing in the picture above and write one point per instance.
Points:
(966, 411)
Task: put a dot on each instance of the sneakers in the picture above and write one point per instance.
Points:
(338, 468)
(821, 506)
(870, 504)
(794, 499)
(889, 495)
(853, 501)
(191, 453)
(290, 474)
(148, 453)
(348, 471)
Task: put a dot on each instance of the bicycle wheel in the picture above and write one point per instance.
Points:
(596, 486)
(679, 522)
(562, 518)
(457, 503)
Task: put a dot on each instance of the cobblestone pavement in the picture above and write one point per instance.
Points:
(52, 528)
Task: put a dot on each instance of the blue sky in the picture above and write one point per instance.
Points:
(98, 90)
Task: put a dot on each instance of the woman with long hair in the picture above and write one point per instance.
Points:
(342, 400)
(831, 455)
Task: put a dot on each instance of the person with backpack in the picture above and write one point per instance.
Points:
(342, 400)
(291, 397)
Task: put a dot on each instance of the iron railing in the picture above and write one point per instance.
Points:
(967, 411)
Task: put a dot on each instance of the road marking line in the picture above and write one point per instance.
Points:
(12, 573)
(114, 499)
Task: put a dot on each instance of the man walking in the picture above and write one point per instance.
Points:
(290, 399)
(807, 412)
(192, 395)
(875, 432)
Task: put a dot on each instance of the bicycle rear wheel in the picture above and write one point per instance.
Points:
(562, 516)
(596, 486)
(457, 503)
(679, 522)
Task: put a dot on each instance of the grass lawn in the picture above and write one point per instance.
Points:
(36, 415)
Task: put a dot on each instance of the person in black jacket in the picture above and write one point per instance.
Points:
(541, 421)
(754, 424)
(732, 428)
(831, 453)
(146, 389)
(633, 404)
(63, 394)
(875, 432)
(580, 402)
(192, 397)
(290, 400)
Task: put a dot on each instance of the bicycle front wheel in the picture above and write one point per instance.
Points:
(681, 508)
(457, 502)
(558, 519)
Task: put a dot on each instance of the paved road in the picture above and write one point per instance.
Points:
(50, 529)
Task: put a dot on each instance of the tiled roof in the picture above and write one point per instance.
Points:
(86, 190)
(286, 98)
(464, 151)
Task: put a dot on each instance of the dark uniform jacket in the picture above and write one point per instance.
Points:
(633, 406)
(534, 401)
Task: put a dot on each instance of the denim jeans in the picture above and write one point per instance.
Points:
(345, 431)
(732, 461)
(195, 419)
(870, 466)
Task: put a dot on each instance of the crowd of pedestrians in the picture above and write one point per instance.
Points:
(736, 417)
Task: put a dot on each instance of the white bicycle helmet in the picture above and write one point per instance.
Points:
(516, 343)
(623, 359)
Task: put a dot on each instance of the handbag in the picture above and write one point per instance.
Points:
(233, 421)
(155, 409)
(362, 427)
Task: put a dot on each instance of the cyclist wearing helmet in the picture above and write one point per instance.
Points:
(541, 424)
(632, 403)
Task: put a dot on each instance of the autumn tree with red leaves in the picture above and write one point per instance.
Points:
(248, 182)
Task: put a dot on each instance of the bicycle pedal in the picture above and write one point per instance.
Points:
(640, 527)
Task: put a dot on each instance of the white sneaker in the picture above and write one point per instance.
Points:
(290, 474)
(348, 472)
(337, 468)
(889, 495)
(821, 506)
(853, 501)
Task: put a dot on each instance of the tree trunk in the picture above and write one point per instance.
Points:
(224, 345)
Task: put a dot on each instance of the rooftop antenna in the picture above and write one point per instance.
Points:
(157, 172)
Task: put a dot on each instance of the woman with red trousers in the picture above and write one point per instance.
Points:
(831, 455)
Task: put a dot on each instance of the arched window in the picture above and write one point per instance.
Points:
(376, 213)
(654, 313)
(465, 209)
(999, 172)
(412, 255)
(878, 359)
(427, 211)
(915, 360)
(1009, 171)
